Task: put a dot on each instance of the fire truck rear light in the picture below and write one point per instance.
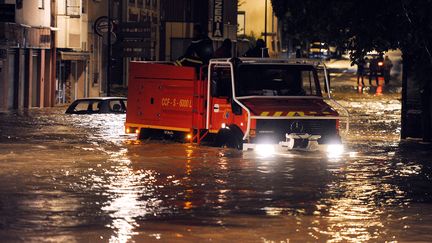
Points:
(223, 125)
(189, 136)
(132, 130)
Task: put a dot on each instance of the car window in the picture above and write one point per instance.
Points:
(116, 106)
(308, 81)
(85, 107)
(95, 106)
(221, 82)
(82, 106)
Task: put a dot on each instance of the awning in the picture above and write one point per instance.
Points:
(74, 56)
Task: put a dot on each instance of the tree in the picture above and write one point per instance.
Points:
(363, 26)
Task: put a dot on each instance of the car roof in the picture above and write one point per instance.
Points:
(102, 98)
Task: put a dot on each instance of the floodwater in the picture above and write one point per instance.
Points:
(70, 178)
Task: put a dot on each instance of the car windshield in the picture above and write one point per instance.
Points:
(277, 80)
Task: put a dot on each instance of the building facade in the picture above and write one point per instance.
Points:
(26, 57)
(79, 50)
(137, 36)
(55, 51)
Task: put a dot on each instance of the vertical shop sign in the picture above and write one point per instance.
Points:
(218, 18)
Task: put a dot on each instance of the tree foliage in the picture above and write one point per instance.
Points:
(361, 26)
(367, 25)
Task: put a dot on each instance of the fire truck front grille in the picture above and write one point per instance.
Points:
(273, 131)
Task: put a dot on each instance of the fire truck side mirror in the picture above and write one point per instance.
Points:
(236, 109)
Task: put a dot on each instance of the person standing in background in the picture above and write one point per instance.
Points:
(387, 68)
(224, 51)
(259, 50)
(361, 71)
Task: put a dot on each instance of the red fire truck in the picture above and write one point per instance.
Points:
(241, 103)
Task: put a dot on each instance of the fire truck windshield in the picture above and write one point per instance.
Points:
(277, 80)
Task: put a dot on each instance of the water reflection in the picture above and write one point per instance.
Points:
(108, 128)
(131, 195)
(86, 176)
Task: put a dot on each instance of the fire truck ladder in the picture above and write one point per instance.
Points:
(198, 134)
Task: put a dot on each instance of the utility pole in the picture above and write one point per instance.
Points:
(265, 23)
(108, 71)
(52, 99)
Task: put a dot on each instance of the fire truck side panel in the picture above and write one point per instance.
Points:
(220, 111)
(163, 97)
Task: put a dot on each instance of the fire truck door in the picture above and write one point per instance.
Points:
(220, 98)
(150, 100)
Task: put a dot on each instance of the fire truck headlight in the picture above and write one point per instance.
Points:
(265, 150)
(335, 150)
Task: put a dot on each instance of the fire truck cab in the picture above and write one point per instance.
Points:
(243, 103)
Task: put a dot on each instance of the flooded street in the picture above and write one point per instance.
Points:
(78, 178)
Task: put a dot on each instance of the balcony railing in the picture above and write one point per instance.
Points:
(18, 36)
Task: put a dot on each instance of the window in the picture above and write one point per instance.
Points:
(277, 80)
(19, 4)
(82, 106)
(95, 106)
(73, 8)
(221, 82)
(116, 106)
(308, 79)
(41, 4)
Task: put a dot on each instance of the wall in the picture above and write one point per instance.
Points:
(26, 73)
(32, 15)
(97, 71)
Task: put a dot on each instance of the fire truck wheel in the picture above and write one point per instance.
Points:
(230, 138)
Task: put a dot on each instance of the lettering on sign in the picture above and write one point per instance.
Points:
(176, 103)
(218, 18)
